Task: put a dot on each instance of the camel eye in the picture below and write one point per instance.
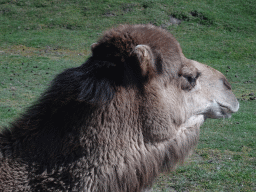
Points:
(192, 80)
(188, 81)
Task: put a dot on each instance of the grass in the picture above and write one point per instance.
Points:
(39, 39)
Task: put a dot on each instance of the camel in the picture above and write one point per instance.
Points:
(133, 110)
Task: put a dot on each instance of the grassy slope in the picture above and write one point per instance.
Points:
(40, 38)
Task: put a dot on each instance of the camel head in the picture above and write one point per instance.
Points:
(207, 91)
(192, 92)
(195, 93)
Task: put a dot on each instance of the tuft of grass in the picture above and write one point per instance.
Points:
(40, 38)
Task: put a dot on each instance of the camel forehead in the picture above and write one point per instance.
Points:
(207, 70)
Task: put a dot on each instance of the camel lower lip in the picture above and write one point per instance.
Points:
(225, 114)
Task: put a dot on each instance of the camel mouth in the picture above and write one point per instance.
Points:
(218, 110)
(228, 110)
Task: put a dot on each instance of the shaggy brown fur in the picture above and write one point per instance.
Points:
(112, 124)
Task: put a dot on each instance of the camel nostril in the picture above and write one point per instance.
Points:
(226, 83)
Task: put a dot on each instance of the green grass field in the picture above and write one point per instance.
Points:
(40, 38)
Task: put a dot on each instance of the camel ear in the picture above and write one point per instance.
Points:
(145, 58)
